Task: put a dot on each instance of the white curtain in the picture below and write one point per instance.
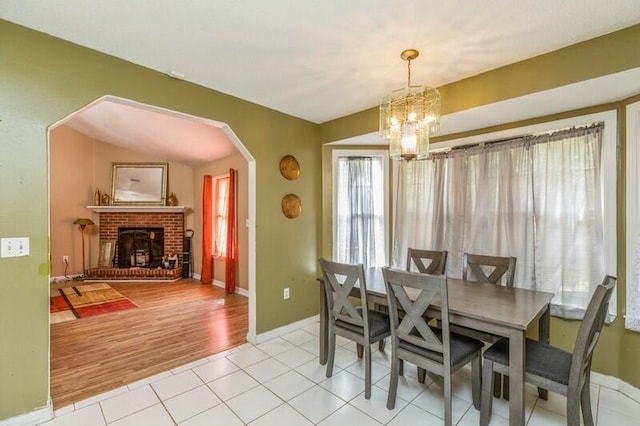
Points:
(536, 198)
(359, 236)
(632, 319)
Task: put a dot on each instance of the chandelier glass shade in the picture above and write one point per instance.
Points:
(409, 116)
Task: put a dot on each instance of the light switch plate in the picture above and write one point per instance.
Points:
(14, 247)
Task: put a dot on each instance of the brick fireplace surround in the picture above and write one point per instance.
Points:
(113, 217)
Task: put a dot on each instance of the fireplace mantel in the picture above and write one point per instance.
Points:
(138, 209)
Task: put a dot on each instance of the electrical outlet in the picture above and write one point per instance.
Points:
(65, 259)
(286, 293)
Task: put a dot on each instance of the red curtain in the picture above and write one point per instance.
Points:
(206, 274)
(231, 265)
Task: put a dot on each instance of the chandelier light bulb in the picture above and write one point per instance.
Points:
(408, 116)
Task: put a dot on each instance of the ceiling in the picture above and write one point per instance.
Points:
(320, 60)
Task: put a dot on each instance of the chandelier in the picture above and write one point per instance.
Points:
(408, 116)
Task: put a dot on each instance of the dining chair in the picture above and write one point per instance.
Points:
(425, 262)
(437, 261)
(552, 368)
(490, 269)
(413, 339)
(495, 270)
(357, 323)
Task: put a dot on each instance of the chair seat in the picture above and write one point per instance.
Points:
(378, 324)
(542, 359)
(461, 347)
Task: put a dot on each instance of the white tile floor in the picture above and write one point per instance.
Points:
(280, 382)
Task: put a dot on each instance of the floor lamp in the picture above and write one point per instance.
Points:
(83, 222)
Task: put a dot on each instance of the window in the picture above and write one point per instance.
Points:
(220, 200)
(549, 200)
(360, 206)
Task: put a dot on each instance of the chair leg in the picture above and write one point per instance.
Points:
(585, 403)
(505, 387)
(487, 393)
(367, 371)
(359, 349)
(396, 365)
(422, 375)
(447, 399)
(332, 353)
(381, 344)
(573, 407)
(476, 381)
(401, 367)
(497, 385)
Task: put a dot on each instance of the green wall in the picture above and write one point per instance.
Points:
(44, 79)
(619, 349)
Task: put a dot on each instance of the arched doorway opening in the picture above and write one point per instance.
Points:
(117, 127)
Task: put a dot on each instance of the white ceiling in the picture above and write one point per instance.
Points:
(322, 60)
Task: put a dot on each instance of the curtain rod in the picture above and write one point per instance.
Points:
(549, 135)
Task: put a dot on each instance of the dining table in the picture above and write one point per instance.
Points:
(499, 310)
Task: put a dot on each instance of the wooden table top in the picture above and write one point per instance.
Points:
(512, 307)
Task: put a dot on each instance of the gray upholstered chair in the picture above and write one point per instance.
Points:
(358, 323)
(437, 261)
(413, 339)
(495, 270)
(552, 368)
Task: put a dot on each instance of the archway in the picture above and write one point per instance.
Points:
(101, 116)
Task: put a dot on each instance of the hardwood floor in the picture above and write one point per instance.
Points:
(175, 323)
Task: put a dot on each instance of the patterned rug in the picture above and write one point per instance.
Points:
(85, 300)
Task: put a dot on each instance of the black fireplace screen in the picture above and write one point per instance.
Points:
(140, 247)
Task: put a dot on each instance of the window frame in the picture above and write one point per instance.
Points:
(335, 156)
(219, 254)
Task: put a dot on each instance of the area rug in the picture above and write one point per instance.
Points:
(86, 300)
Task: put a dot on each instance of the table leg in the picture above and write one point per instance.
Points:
(543, 336)
(324, 317)
(516, 377)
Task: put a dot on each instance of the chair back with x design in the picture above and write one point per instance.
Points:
(339, 280)
(427, 261)
(413, 293)
(589, 333)
(491, 269)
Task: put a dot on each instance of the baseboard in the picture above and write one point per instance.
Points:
(616, 384)
(34, 417)
(240, 291)
(281, 331)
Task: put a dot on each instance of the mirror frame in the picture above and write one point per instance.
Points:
(120, 194)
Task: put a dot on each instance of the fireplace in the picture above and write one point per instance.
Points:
(140, 247)
(167, 225)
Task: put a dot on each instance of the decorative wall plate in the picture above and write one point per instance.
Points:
(289, 167)
(291, 206)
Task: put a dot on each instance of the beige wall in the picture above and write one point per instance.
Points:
(78, 166)
(214, 169)
(71, 174)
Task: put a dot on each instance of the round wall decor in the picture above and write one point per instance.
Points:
(291, 206)
(289, 167)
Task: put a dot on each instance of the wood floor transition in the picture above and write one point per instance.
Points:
(175, 323)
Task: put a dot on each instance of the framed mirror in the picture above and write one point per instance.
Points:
(139, 183)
